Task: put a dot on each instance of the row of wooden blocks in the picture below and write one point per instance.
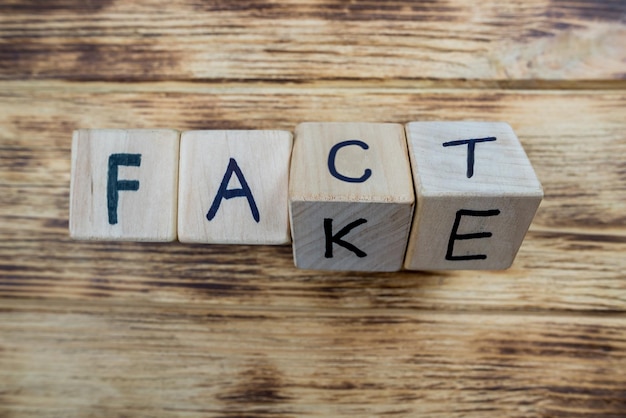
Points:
(352, 196)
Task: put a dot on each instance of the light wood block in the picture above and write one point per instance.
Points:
(350, 196)
(477, 194)
(233, 187)
(124, 184)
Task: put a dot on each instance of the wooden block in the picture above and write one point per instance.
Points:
(233, 187)
(477, 194)
(350, 196)
(124, 184)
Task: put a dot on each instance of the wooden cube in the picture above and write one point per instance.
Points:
(477, 194)
(124, 184)
(350, 196)
(233, 187)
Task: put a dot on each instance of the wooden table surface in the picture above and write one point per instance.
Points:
(128, 329)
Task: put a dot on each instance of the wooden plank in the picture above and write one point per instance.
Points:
(554, 271)
(572, 137)
(312, 40)
(106, 359)
(573, 258)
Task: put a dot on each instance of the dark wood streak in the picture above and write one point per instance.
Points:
(55, 6)
(339, 11)
(603, 10)
(568, 236)
(260, 383)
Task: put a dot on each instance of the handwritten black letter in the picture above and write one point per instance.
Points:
(114, 185)
(331, 162)
(330, 238)
(225, 193)
(454, 236)
(471, 146)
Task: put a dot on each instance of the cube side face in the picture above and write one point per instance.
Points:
(350, 236)
(124, 185)
(475, 202)
(234, 187)
(468, 232)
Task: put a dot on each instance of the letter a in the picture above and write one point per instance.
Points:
(225, 193)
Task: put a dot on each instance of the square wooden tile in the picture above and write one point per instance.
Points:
(124, 184)
(233, 187)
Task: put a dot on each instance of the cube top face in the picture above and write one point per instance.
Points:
(460, 158)
(365, 162)
(124, 184)
(233, 187)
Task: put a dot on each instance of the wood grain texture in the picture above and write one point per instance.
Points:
(313, 39)
(171, 360)
(167, 329)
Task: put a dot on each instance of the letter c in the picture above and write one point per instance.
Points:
(331, 162)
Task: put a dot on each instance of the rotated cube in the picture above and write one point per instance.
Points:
(350, 196)
(477, 194)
